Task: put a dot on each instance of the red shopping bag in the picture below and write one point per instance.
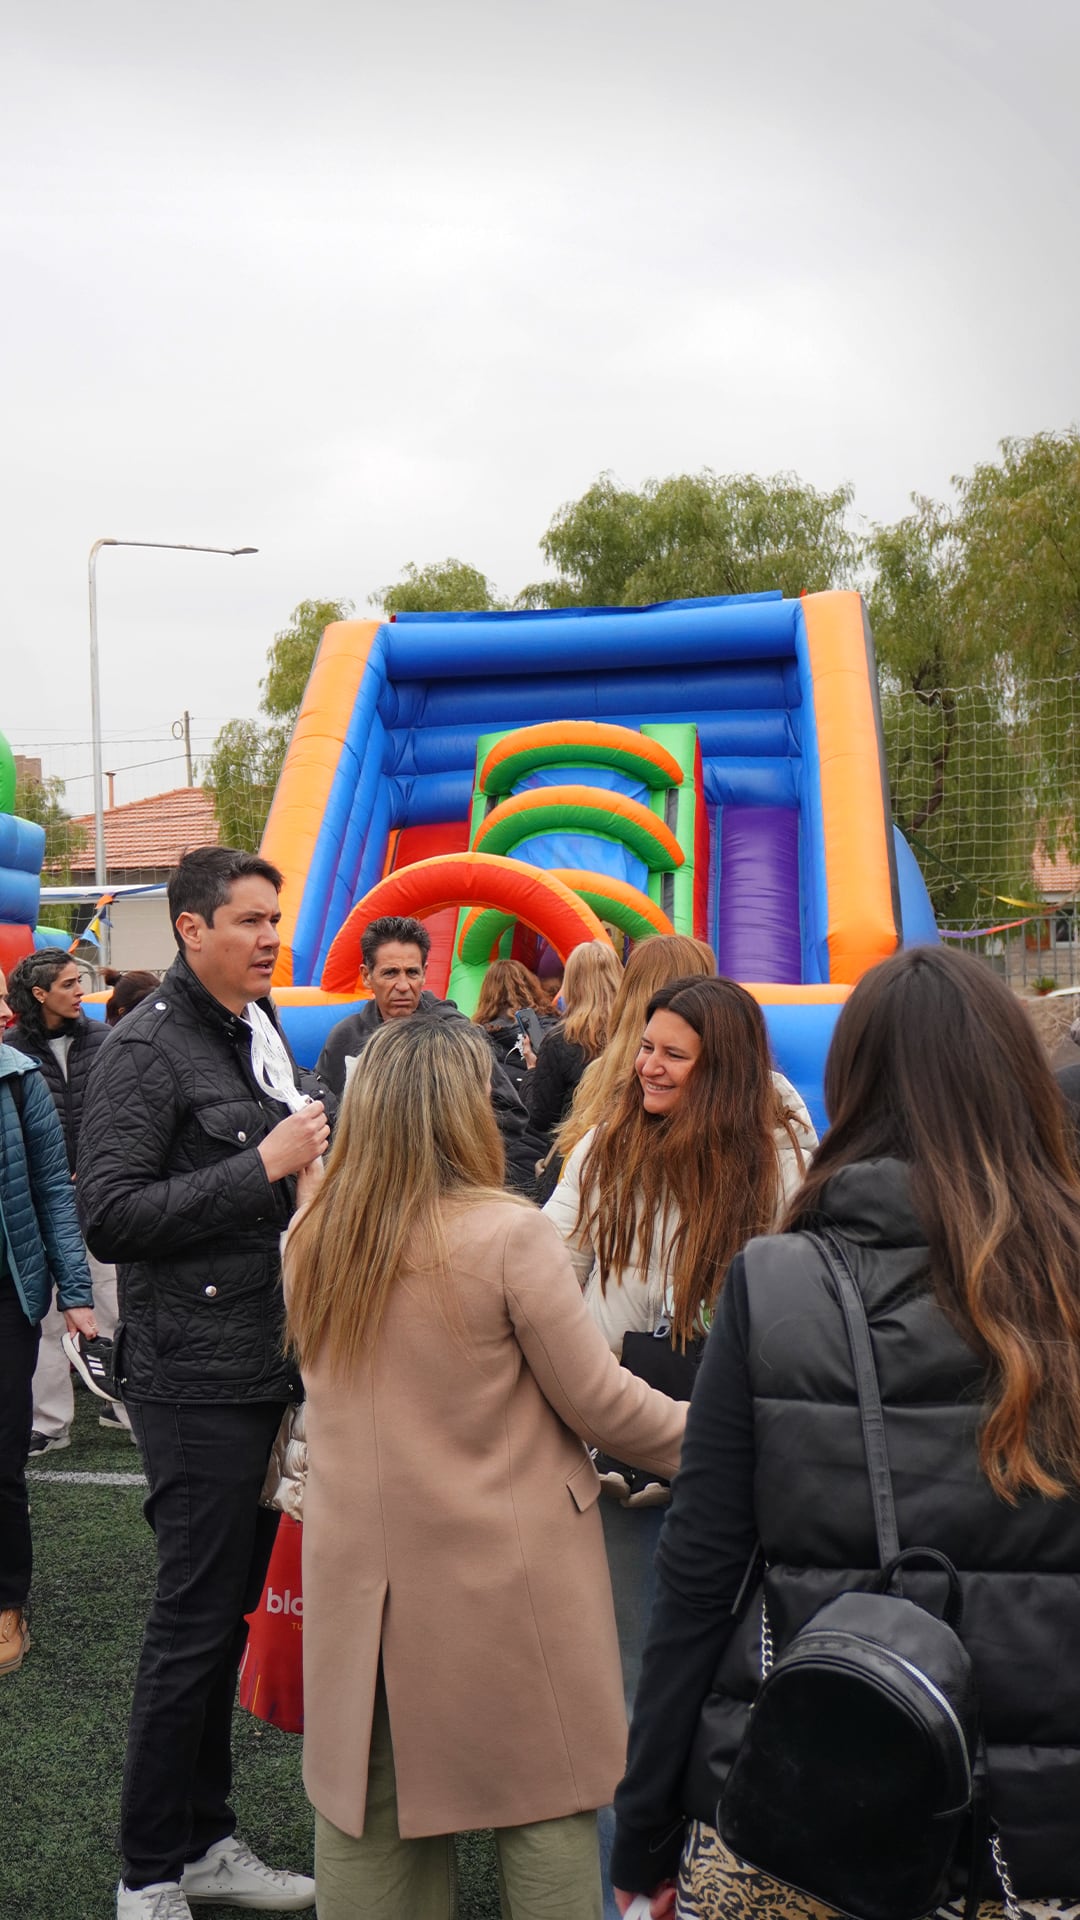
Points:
(272, 1670)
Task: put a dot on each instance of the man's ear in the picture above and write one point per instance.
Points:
(191, 927)
(365, 977)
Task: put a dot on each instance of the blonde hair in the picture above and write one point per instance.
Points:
(656, 961)
(592, 979)
(416, 1131)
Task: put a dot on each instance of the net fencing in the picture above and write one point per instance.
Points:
(985, 786)
(986, 789)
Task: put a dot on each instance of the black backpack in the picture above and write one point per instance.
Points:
(861, 1777)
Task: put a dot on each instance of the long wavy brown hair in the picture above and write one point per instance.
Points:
(707, 1173)
(656, 961)
(935, 1062)
(591, 981)
(506, 986)
(416, 1135)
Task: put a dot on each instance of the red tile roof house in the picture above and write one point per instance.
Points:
(143, 842)
(1057, 881)
(145, 839)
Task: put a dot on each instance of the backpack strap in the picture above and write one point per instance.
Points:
(18, 1092)
(866, 1383)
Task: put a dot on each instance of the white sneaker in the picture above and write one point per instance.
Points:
(230, 1875)
(164, 1900)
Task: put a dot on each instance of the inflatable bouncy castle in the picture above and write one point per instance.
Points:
(712, 767)
(22, 849)
(708, 767)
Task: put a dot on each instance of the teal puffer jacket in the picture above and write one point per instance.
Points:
(39, 1226)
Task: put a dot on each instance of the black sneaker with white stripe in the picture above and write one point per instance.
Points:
(93, 1362)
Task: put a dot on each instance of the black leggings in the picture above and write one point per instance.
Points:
(19, 1339)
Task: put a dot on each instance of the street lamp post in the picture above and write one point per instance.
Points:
(168, 546)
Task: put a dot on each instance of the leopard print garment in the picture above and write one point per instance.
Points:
(714, 1885)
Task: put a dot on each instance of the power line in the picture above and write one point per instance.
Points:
(69, 779)
(49, 746)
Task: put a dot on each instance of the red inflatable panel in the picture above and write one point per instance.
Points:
(423, 843)
(14, 942)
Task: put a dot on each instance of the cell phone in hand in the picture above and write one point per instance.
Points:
(529, 1027)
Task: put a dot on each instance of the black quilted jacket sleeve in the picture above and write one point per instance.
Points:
(131, 1208)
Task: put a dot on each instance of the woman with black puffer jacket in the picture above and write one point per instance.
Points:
(510, 990)
(947, 1185)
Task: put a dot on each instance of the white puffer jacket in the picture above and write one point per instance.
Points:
(286, 1472)
(638, 1299)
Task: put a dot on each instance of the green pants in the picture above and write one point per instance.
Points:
(549, 1870)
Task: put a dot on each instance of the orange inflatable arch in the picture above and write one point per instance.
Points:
(544, 903)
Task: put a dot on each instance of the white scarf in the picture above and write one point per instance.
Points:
(270, 1062)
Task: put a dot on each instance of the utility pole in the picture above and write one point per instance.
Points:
(181, 730)
(162, 546)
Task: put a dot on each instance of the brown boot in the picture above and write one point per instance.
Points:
(14, 1639)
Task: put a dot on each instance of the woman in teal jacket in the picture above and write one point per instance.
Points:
(40, 1244)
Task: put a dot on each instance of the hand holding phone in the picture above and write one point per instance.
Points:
(529, 1028)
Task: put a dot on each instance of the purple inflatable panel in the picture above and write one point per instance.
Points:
(757, 933)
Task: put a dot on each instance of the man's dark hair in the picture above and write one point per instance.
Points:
(203, 881)
(38, 969)
(407, 933)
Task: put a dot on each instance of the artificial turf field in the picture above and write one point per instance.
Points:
(63, 1715)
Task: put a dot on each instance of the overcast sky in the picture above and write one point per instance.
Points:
(360, 284)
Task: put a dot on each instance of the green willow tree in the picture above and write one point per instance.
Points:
(694, 535)
(1019, 520)
(445, 586)
(246, 759)
(976, 615)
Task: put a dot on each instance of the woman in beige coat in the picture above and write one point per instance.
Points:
(461, 1666)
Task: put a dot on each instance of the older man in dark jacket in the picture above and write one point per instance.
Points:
(395, 956)
(195, 1142)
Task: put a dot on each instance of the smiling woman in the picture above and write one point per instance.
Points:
(665, 1060)
(701, 1148)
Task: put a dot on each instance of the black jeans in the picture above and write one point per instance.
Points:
(18, 1357)
(206, 1466)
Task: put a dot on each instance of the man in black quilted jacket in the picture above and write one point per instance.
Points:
(196, 1142)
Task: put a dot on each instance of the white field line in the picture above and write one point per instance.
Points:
(71, 1479)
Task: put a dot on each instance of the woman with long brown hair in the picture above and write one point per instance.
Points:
(947, 1184)
(460, 1659)
(696, 1156)
(653, 963)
